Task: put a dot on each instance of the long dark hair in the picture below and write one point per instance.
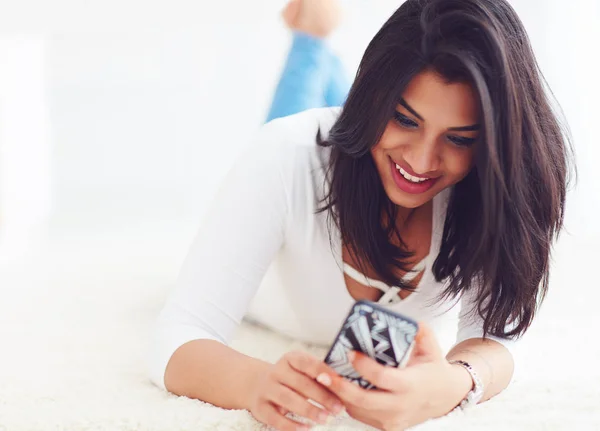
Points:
(503, 217)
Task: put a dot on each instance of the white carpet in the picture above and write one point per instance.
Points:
(75, 317)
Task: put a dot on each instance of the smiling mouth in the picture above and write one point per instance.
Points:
(409, 177)
(410, 183)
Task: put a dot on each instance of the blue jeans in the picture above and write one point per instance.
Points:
(312, 77)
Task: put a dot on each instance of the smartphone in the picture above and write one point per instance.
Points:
(381, 334)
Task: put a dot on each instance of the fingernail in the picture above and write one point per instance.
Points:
(322, 418)
(351, 355)
(324, 379)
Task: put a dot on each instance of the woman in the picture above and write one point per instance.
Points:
(437, 190)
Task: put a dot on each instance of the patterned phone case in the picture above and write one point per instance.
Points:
(381, 334)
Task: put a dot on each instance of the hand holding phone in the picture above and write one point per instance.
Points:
(381, 334)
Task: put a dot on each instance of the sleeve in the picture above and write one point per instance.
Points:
(238, 239)
(470, 323)
(304, 77)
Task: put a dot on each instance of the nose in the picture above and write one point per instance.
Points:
(423, 156)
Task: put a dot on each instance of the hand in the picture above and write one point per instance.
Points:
(286, 387)
(315, 17)
(428, 387)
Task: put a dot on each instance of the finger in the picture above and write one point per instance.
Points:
(281, 410)
(272, 417)
(383, 377)
(351, 393)
(307, 364)
(293, 402)
(311, 389)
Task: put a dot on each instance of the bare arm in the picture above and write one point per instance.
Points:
(492, 361)
(490, 357)
(210, 371)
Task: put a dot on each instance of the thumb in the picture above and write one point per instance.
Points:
(426, 348)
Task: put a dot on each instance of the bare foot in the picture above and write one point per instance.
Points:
(315, 17)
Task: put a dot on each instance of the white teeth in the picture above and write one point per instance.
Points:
(409, 177)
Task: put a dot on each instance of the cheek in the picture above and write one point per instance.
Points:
(380, 160)
(459, 163)
(390, 139)
(380, 149)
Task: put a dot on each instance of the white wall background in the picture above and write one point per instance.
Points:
(150, 101)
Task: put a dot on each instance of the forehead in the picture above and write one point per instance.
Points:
(437, 101)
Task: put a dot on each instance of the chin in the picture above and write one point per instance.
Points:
(407, 200)
(410, 203)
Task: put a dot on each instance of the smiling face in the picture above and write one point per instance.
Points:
(429, 143)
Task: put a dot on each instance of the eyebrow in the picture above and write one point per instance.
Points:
(471, 128)
(409, 109)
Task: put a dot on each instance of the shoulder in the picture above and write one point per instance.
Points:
(298, 129)
(291, 141)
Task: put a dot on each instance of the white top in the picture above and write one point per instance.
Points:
(263, 231)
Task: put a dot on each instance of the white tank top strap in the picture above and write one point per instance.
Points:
(414, 273)
(391, 296)
(390, 293)
(363, 279)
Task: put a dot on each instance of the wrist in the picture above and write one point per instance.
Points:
(254, 373)
(475, 395)
(462, 383)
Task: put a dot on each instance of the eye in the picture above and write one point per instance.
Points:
(461, 141)
(404, 121)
